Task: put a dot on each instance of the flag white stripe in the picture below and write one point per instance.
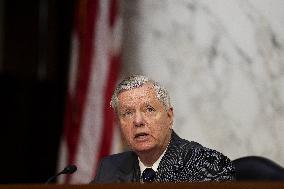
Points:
(106, 42)
(92, 124)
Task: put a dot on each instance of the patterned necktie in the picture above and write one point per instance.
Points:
(148, 175)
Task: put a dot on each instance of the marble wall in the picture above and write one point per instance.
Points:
(223, 64)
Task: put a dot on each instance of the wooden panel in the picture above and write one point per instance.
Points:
(206, 185)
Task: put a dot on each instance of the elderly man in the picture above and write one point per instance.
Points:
(157, 154)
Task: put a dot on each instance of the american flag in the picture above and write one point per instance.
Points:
(95, 64)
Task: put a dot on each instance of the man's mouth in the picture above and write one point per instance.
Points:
(141, 135)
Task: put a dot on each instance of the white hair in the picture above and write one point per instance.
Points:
(136, 81)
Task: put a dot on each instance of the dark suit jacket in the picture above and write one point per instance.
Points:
(183, 161)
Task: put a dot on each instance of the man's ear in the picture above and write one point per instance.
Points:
(170, 114)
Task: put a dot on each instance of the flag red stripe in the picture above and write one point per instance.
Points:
(108, 128)
(89, 120)
(114, 65)
(113, 12)
(84, 26)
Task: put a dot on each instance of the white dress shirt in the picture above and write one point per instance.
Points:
(154, 166)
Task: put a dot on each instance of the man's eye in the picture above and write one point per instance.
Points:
(150, 109)
(127, 113)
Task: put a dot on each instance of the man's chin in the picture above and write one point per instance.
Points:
(143, 149)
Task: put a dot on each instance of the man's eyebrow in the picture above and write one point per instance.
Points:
(148, 103)
(125, 107)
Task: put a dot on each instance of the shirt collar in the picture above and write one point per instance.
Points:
(154, 166)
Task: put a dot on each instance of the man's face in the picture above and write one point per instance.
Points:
(145, 123)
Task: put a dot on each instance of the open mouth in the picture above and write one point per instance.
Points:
(141, 135)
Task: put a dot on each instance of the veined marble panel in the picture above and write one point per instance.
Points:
(223, 64)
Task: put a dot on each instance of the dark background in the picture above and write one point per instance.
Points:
(33, 79)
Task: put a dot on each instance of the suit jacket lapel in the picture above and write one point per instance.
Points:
(171, 163)
(129, 172)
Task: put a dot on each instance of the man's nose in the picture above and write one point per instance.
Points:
(138, 119)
